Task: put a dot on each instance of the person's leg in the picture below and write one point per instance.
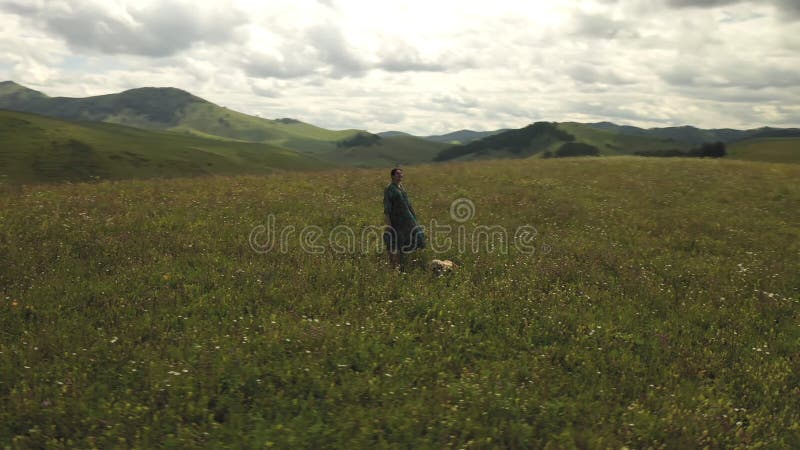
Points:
(390, 239)
(394, 262)
(401, 260)
(416, 245)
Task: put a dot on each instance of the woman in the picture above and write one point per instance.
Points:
(402, 234)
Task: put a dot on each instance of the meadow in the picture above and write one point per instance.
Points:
(782, 150)
(659, 310)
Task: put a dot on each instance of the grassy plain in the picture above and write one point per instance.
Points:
(784, 150)
(659, 310)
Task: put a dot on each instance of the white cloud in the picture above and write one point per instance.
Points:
(139, 28)
(421, 66)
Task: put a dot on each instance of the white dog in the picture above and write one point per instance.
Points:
(439, 267)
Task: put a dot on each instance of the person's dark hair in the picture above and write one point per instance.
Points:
(394, 171)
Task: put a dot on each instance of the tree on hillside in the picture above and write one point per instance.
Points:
(576, 149)
(360, 140)
(662, 153)
(709, 149)
(519, 142)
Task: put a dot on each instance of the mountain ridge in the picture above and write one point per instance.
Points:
(178, 111)
(172, 109)
(690, 134)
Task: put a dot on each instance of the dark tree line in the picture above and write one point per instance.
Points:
(571, 149)
(707, 150)
(360, 140)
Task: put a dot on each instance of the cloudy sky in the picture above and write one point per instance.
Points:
(425, 67)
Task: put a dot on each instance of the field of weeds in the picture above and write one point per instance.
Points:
(654, 304)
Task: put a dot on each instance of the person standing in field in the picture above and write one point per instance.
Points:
(402, 234)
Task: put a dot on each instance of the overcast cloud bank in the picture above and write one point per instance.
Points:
(426, 67)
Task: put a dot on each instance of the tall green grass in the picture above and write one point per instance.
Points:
(660, 310)
(782, 150)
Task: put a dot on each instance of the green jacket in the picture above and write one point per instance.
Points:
(398, 207)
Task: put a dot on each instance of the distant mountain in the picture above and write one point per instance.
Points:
(615, 143)
(39, 149)
(455, 137)
(463, 136)
(551, 138)
(768, 132)
(381, 150)
(173, 110)
(393, 133)
(692, 135)
(13, 93)
(536, 137)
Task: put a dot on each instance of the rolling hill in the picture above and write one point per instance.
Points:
(455, 137)
(692, 135)
(610, 143)
(539, 138)
(170, 109)
(176, 112)
(523, 142)
(393, 133)
(42, 149)
(391, 150)
(463, 136)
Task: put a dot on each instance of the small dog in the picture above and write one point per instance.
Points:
(439, 267)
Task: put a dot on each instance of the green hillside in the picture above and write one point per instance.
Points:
(785, 150)
(695, 136)
(14, 94)
(172, 109)
(611, 143)
(684, 134)
(653, 304)
(519, 143)
(40, 149)
(393, 133)
(463, 136)
(542, 138)
(386, 152)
